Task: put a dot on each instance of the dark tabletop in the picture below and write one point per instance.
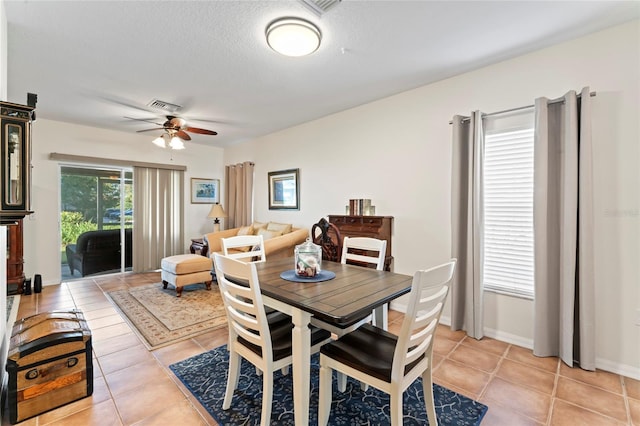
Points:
(354, 292)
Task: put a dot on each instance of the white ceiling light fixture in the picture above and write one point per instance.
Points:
(174, 141)
(293, 36)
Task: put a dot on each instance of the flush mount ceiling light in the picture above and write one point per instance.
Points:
(293, 36)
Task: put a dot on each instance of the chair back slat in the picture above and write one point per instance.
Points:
(243, 303)
(429, 290)
(364, 250)
(247, 247)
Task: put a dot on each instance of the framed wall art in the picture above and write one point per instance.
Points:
(284, 190)
(205, 191)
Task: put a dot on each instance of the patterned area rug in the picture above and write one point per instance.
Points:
(161, 318)
(205, 375)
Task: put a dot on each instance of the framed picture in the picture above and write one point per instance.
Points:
(205, 191)
(284, 191)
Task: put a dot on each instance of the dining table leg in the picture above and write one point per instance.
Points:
(301, 354)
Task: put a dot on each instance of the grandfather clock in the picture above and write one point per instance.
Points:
(15, 191)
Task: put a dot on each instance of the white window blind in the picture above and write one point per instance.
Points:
(508, 212)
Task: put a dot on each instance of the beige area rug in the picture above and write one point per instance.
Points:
(161, 318)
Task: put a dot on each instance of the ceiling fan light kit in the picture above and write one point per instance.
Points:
(176, 143)
(175, 129)
(293, 36)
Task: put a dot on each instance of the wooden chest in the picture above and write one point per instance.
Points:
(49, 363)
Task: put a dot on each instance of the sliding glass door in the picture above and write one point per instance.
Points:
(96, 220)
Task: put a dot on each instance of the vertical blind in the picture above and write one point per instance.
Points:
(508, 214)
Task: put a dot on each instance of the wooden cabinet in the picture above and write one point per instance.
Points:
(15, 191)
(15, 258)
(379, 227)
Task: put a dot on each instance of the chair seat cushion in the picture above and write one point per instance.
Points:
(181, 264)
(281, 337)
(368, 349)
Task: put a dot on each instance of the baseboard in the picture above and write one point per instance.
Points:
(616, 367)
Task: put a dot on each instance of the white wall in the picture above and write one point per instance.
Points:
(3, 52)
(396, 151)
(42, 229)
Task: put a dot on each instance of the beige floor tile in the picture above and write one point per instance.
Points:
(99, 313)
(443, 346)
(632, 387)
(499, 415)
(103, 414)
(634, 411)
(65, 410)
(125, 358)
(462, 376)
(596, 399)
(104, 347)
(526, 401)
(111, 331)
(598, 378)
(566, 414)
(520, 374)
(145, 401)
(445, 332)
(110, 320)
(180, 412)
(146, 374)
(526, 356)
(484, 361)
(213, 339)
(461, 391)
(516, 387)
(177, 352)
(486, 344)
(94, 306)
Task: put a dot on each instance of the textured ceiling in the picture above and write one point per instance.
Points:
(96, 62)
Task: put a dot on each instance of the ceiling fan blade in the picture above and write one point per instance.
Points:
(148, 120)
(200, 131)
(183, 135)
(150, 130)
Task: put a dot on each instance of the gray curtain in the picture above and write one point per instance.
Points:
(467, 205)
(158, 216)
(563, 225)
(239, 194)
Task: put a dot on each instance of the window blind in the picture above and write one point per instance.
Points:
(508, 212)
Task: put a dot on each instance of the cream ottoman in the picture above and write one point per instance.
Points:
(185, 269)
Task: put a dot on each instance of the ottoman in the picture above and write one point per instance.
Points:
(185, 269)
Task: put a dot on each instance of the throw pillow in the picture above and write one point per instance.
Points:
(245, 230)
(268, 234)
(284, 227)
(258, 225)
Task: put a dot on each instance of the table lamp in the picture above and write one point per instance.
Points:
(216, 212)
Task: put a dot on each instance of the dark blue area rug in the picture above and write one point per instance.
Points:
(205, 375)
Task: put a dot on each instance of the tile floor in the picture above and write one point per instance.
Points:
(133, 386)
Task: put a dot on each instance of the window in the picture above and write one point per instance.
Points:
(508, 211)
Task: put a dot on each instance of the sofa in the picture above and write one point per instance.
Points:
(99, 251)
(280, 239)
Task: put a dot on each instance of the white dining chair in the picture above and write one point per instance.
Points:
(367, 252)
(388, 362)
(248, 248)
(251, 336)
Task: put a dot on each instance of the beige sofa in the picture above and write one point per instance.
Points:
(280, 239)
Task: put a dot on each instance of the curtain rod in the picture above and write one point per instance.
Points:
(553, 101)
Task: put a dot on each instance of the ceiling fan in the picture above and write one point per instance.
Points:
(175, 126)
